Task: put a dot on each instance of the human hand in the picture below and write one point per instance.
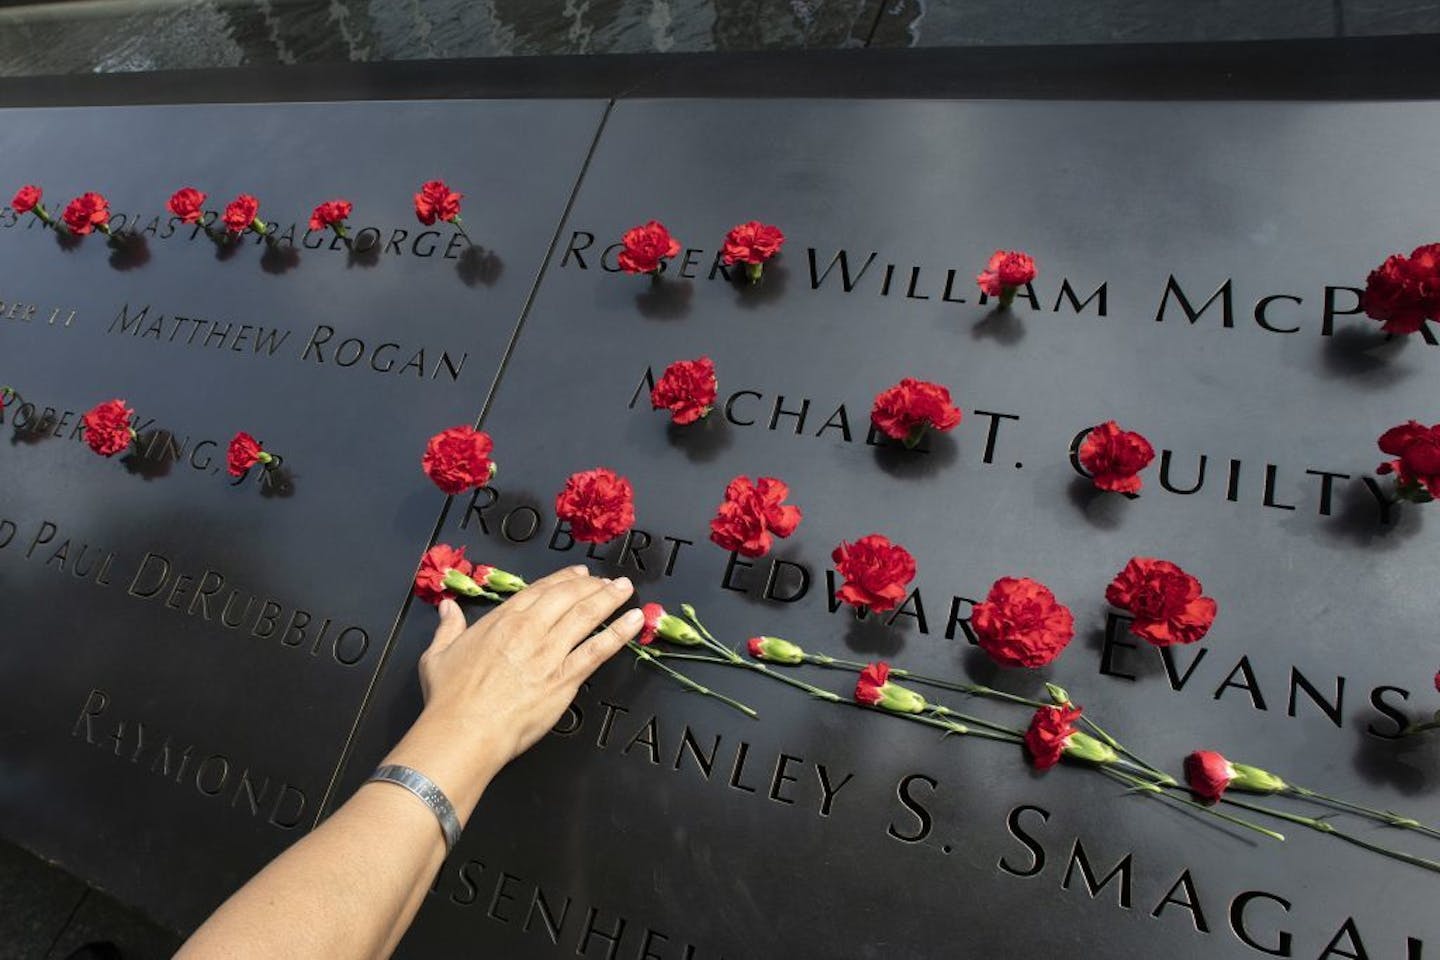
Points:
(505, 680)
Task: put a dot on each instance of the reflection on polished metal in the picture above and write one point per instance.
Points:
(765, 835)
(186, 662)
(185, 653)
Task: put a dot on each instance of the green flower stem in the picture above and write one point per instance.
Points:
(943, 711)
(950, 726)
(1421, 727)
(1153, 771)
(1387, 817)
(1324, 826)
(1155, 790)
(980, 690)
(736, 660)
(974, 689)
(645, 655)
(694, 657)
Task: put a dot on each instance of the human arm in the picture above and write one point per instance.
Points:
(350, 888)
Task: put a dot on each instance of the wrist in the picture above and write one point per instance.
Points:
(460, 760)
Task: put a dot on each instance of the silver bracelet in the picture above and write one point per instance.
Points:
(429, 794)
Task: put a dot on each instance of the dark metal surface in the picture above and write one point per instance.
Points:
(1346, 69)
(337, 540)
(615, 824)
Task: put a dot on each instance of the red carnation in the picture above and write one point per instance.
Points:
(436, 201)
(1007, 271)
(244, 452)
(653, 613)
(1208, 774)
(647, 248)
(876, 572)
(1404, 292)
(331, 213)
(459, 459)
(188, 204)
(107, 427)
(902, 412)
(1164, 600)
(752, 243)
(435, 567)
(87, 212)
(27, 198)
(687, 389)
(872, 679)
(1049, 732)
(1115, 457)
(241, 214)
(1416, 448)
(660, 624)
(750, 513)
(1021, 624)
(599, 505)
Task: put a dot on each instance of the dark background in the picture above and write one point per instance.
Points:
(56, 912)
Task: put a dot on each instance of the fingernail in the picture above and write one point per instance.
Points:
(447, 607)
(578, 568)
(622, 584)
(632, 618)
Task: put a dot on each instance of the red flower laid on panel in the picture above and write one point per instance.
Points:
(244, 452)
(775, 650)
(647, 247)
(27, 200)
(242, 214)
(1209, 775)
(874, 689)
(1164, 600)
(904, 411)
(1021, 624)
(188, 204)
(598, 504)
(750, 513)
(1052, 735)
(331, 214)
(687, 389)
(436, 201)
(1404, 292)
(87, 212)
(752, 243)
(1416, 449)
(1115, 457)
(1007, 272)
(458, 459)
(444, 572)
(661, 624)
(107, 427)
(876, 572)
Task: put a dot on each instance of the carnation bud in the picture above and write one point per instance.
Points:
(776, 650)
(1082, 746)
(1058, 696)
(672, 628)
(1254, 780)
(900, 699)
(457, 582)
(500, 581)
